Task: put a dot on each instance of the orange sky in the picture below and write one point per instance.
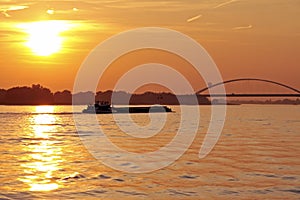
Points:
(246, 38)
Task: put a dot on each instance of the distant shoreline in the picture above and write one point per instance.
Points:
(229, 104)
(39, 95)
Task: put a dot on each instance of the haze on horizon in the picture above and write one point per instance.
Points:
(246, 38)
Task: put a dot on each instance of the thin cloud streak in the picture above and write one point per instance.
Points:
(4, 10)
(61, 11)
(225, 3)
(193, 18)
(242, 27)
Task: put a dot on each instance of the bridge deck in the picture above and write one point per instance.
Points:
(250, 95)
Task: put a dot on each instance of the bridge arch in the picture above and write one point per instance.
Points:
(249, 79)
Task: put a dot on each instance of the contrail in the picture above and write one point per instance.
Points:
(242, 27)
(225, 3)
(194, 18)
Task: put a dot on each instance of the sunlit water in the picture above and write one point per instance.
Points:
(257, 157)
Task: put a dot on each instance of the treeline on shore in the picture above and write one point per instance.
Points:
(39, 95)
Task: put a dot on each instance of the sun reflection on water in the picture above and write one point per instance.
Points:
(43, 156)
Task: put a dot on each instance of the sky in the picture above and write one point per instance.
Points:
(45, 42)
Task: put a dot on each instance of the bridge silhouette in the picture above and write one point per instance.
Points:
(296, 92)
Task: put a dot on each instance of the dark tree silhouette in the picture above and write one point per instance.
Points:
(63, 98)
(36, 95)
(2, 96)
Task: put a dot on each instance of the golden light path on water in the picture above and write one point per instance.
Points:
(257, 157)
(44, 157)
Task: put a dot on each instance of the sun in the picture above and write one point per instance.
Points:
(44, 37)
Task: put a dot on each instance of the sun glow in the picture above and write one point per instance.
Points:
(44, 37)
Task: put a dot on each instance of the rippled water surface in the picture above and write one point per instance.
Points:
(257, 157)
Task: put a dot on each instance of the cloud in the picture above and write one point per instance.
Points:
(242, 27)
(5, 14)
(225, 3)
(61, 11)
(50, 11)
(193, 18)
(5, 9)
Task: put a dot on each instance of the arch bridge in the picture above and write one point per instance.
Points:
(293, 91)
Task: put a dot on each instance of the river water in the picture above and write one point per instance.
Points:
(256, 157)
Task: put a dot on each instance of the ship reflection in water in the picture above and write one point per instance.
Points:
(42, 155)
